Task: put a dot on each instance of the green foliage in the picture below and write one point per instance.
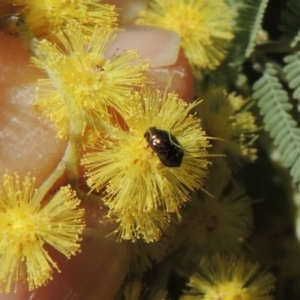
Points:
(272, 95)
(292, 71)
(248, 24)
(290, 22)
(249, 15)
(263, 63)
(274, 105)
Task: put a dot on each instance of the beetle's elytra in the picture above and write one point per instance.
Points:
(165, 145)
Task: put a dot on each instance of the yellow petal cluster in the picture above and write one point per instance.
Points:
(220, 224)
(131, 174)
(229, 279)
(25, 228)
(204, 26)
(44, 18)
(83, 85)
(227, 117)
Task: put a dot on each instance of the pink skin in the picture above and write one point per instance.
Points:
(28, 144)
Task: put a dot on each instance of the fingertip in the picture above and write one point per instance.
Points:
(128, 9)
(181, 76)
(27, 142)
(97, 272)
(102, 264)
(20, 293)
(166, 58)
(161, 47)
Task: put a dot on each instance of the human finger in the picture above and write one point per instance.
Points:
(28, 143)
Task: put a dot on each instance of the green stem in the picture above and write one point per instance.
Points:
(276, 47)
(69, 162)
(49, 182)
(75, 144)
(87, 196)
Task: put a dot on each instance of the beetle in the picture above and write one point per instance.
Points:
(165, 145)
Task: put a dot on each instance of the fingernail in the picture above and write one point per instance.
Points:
(128, 9)
(160, 46)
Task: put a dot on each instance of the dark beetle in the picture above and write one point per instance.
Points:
(165, 145)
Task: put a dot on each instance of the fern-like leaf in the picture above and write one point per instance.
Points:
(232, 3)
(290, 22)
(250, 15)
(296, 39)
(292, 71)
(274, 106)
